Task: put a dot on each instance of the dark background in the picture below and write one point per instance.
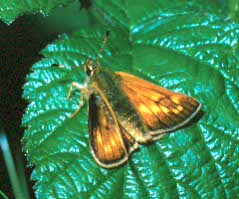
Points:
(20, 45)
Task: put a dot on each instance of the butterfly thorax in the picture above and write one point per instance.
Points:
(106, 85)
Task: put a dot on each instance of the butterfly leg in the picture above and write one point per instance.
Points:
(83, 90)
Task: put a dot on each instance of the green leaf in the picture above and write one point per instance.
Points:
(181, 46)
(11, 9)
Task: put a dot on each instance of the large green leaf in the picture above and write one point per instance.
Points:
(185, 47)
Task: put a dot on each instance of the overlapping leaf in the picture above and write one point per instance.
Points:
(11, 9)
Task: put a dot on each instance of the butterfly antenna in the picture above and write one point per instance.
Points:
(102, 47)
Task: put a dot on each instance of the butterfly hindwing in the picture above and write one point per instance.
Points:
(110, 142)
(161, 110)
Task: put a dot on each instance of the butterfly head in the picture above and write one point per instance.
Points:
(90, 67)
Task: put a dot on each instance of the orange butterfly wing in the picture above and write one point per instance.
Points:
(161, 110)
(110, 142)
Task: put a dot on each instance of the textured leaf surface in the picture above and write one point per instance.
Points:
(172, 44)
(10, 9)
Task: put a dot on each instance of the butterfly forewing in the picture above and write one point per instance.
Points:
(161, 110)
(110, 143)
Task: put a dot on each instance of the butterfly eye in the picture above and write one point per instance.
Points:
(88, 71)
